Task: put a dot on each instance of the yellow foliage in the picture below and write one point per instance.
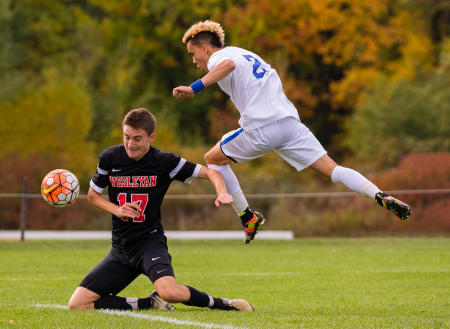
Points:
(444, 58)
(355, 32)
(417, 56)
(53, 121)
(166, 136)
(349, 91)
(357, 38)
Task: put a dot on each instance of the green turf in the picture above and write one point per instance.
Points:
(307, 283)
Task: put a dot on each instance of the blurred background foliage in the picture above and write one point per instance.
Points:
(370, 78)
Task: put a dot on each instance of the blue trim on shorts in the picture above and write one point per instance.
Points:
(229, 138)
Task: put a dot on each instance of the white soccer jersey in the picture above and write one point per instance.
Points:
(254, 88)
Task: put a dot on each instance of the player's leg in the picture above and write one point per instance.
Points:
(301, 149)
(156, 263)
(83, 299)
(360, 184)
(216, 156)
(169, 290)
(349, 177)
(100, 287)
(251, 220)
(107, 278)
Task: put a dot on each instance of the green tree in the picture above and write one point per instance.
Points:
(53, 121)
(401, 117)
(143, 43)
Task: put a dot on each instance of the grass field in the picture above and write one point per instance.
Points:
(306, 283)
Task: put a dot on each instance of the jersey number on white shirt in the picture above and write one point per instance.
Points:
(256, 65)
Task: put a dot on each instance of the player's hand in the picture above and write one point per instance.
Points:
(183, 92)
(128, 210)
(224, 198)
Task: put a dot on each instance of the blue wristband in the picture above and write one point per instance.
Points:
(197, 86)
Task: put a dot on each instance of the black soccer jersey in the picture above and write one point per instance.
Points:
(145, 182)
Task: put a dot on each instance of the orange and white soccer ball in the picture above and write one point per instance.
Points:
(60, 188)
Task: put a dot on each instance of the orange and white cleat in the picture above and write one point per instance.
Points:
(252, 225)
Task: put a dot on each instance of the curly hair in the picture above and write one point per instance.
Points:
(206, 31)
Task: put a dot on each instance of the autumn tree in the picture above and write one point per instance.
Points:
(329, 51)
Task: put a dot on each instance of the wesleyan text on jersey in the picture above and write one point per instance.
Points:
(132, 181)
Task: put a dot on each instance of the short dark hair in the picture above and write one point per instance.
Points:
(205, 37)
(140, 119)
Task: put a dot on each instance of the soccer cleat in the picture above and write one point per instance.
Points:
(399, 208)
(239, 305)
(252, 225)
(226, 304)
(159, 303)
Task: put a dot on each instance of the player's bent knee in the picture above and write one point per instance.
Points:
(212, 158)
(215, 156)
(169, 290)
(167, 294)
(82, 299)
(73, 306)
(171, 294)
(208, 158)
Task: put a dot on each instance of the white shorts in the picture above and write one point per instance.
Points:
(288, 137)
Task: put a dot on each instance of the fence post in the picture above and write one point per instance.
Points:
(23, 209)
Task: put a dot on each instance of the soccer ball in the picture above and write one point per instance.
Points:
(60, 188)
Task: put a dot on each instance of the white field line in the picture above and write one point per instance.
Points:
(151, 318)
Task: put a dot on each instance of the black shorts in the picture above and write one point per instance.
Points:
(122, 265)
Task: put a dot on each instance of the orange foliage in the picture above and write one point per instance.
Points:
(419, 171)
(423, 171)
(311, 41)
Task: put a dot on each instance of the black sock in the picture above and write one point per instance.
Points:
(198, 298)
(221, 305)
(112, 303)
(144, 303)
(246, 216)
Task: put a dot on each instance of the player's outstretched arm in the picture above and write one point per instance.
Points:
(216, 74)
(219, 72)
(128, 210)
(223, 197)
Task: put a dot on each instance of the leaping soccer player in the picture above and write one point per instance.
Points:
(269, 121)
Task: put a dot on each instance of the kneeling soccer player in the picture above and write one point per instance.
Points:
(137, 176)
